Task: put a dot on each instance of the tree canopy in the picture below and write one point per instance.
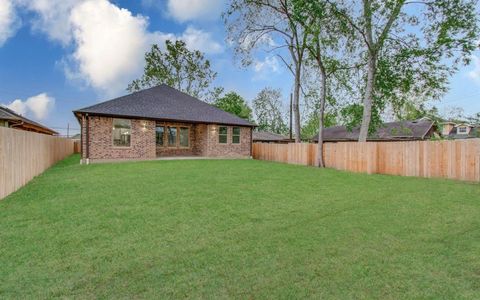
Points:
(177, 66)
(234, 104)
(269, 111)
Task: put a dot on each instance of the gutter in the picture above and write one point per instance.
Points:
(167, 119)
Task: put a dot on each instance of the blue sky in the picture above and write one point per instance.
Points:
(59, 55)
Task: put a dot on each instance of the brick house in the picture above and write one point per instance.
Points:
(160, 122)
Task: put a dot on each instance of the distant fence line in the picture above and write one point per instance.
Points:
(24, 155)
(459, 159)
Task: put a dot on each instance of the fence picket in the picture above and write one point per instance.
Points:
(24, 155)
(446, 159)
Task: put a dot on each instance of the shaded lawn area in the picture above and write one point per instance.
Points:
(237, 228)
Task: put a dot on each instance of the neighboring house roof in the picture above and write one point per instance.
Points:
(266, 136)
(21, 122)
(393, 131)
(164, 103)
(76, 136)
(473, 133)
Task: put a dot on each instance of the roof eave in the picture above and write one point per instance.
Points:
(78, 113)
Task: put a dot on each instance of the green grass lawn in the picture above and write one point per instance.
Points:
(237, 229)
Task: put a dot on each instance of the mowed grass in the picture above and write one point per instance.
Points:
(237, 229)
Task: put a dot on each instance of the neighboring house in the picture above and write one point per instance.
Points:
(9, 118)
(161, 122)
(422, 129)
(75, 136)
(270, 137)
(452, 130)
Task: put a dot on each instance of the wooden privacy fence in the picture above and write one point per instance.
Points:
(24, 155)
(458, 159)
(76, 146)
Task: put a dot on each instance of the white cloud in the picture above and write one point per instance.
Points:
(52, 17)
(18, 106)
(269, 64)
(186, 10)
(110, 44)
(475, 73)
(39, 106)
(107, 42)
(8, 21)
(200, 40)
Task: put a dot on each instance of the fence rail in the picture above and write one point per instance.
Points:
(24, 155)
(458, 159)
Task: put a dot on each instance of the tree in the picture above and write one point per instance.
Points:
(268, 110)
(234, 104)
(409, 46)
(187, 71)
(310, 128)
(269, 23)
(412, 112)
(324, 35)
(474, 119)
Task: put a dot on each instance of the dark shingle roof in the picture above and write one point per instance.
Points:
(164, 103)
(8, 114)
(402, 130)
(269, 136)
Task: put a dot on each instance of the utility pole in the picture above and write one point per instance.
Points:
(68, 130)
(291, 137)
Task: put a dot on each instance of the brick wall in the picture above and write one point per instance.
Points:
(142, 140)
(203, 141)
(214, 148)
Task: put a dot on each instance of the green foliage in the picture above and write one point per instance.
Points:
(268, 109)
(310, 128)
(234, 104)
(187, 71)
(474, 119)
(416, 46)
(351, 116)
(412, 112)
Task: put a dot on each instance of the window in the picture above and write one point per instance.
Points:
(462, 129)
(159, 134)
(236, 135)
(172, 136)
(121, 132)
(222, 134)
(183, 136)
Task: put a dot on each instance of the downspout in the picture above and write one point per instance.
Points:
(81, 139)
(251, 142)
(88, 140)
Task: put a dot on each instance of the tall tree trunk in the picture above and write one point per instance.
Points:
(321, 113)
(296, 102)
(368, 97)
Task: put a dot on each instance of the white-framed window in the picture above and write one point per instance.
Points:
(462, 129)
(235, 135)
(122, 131)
